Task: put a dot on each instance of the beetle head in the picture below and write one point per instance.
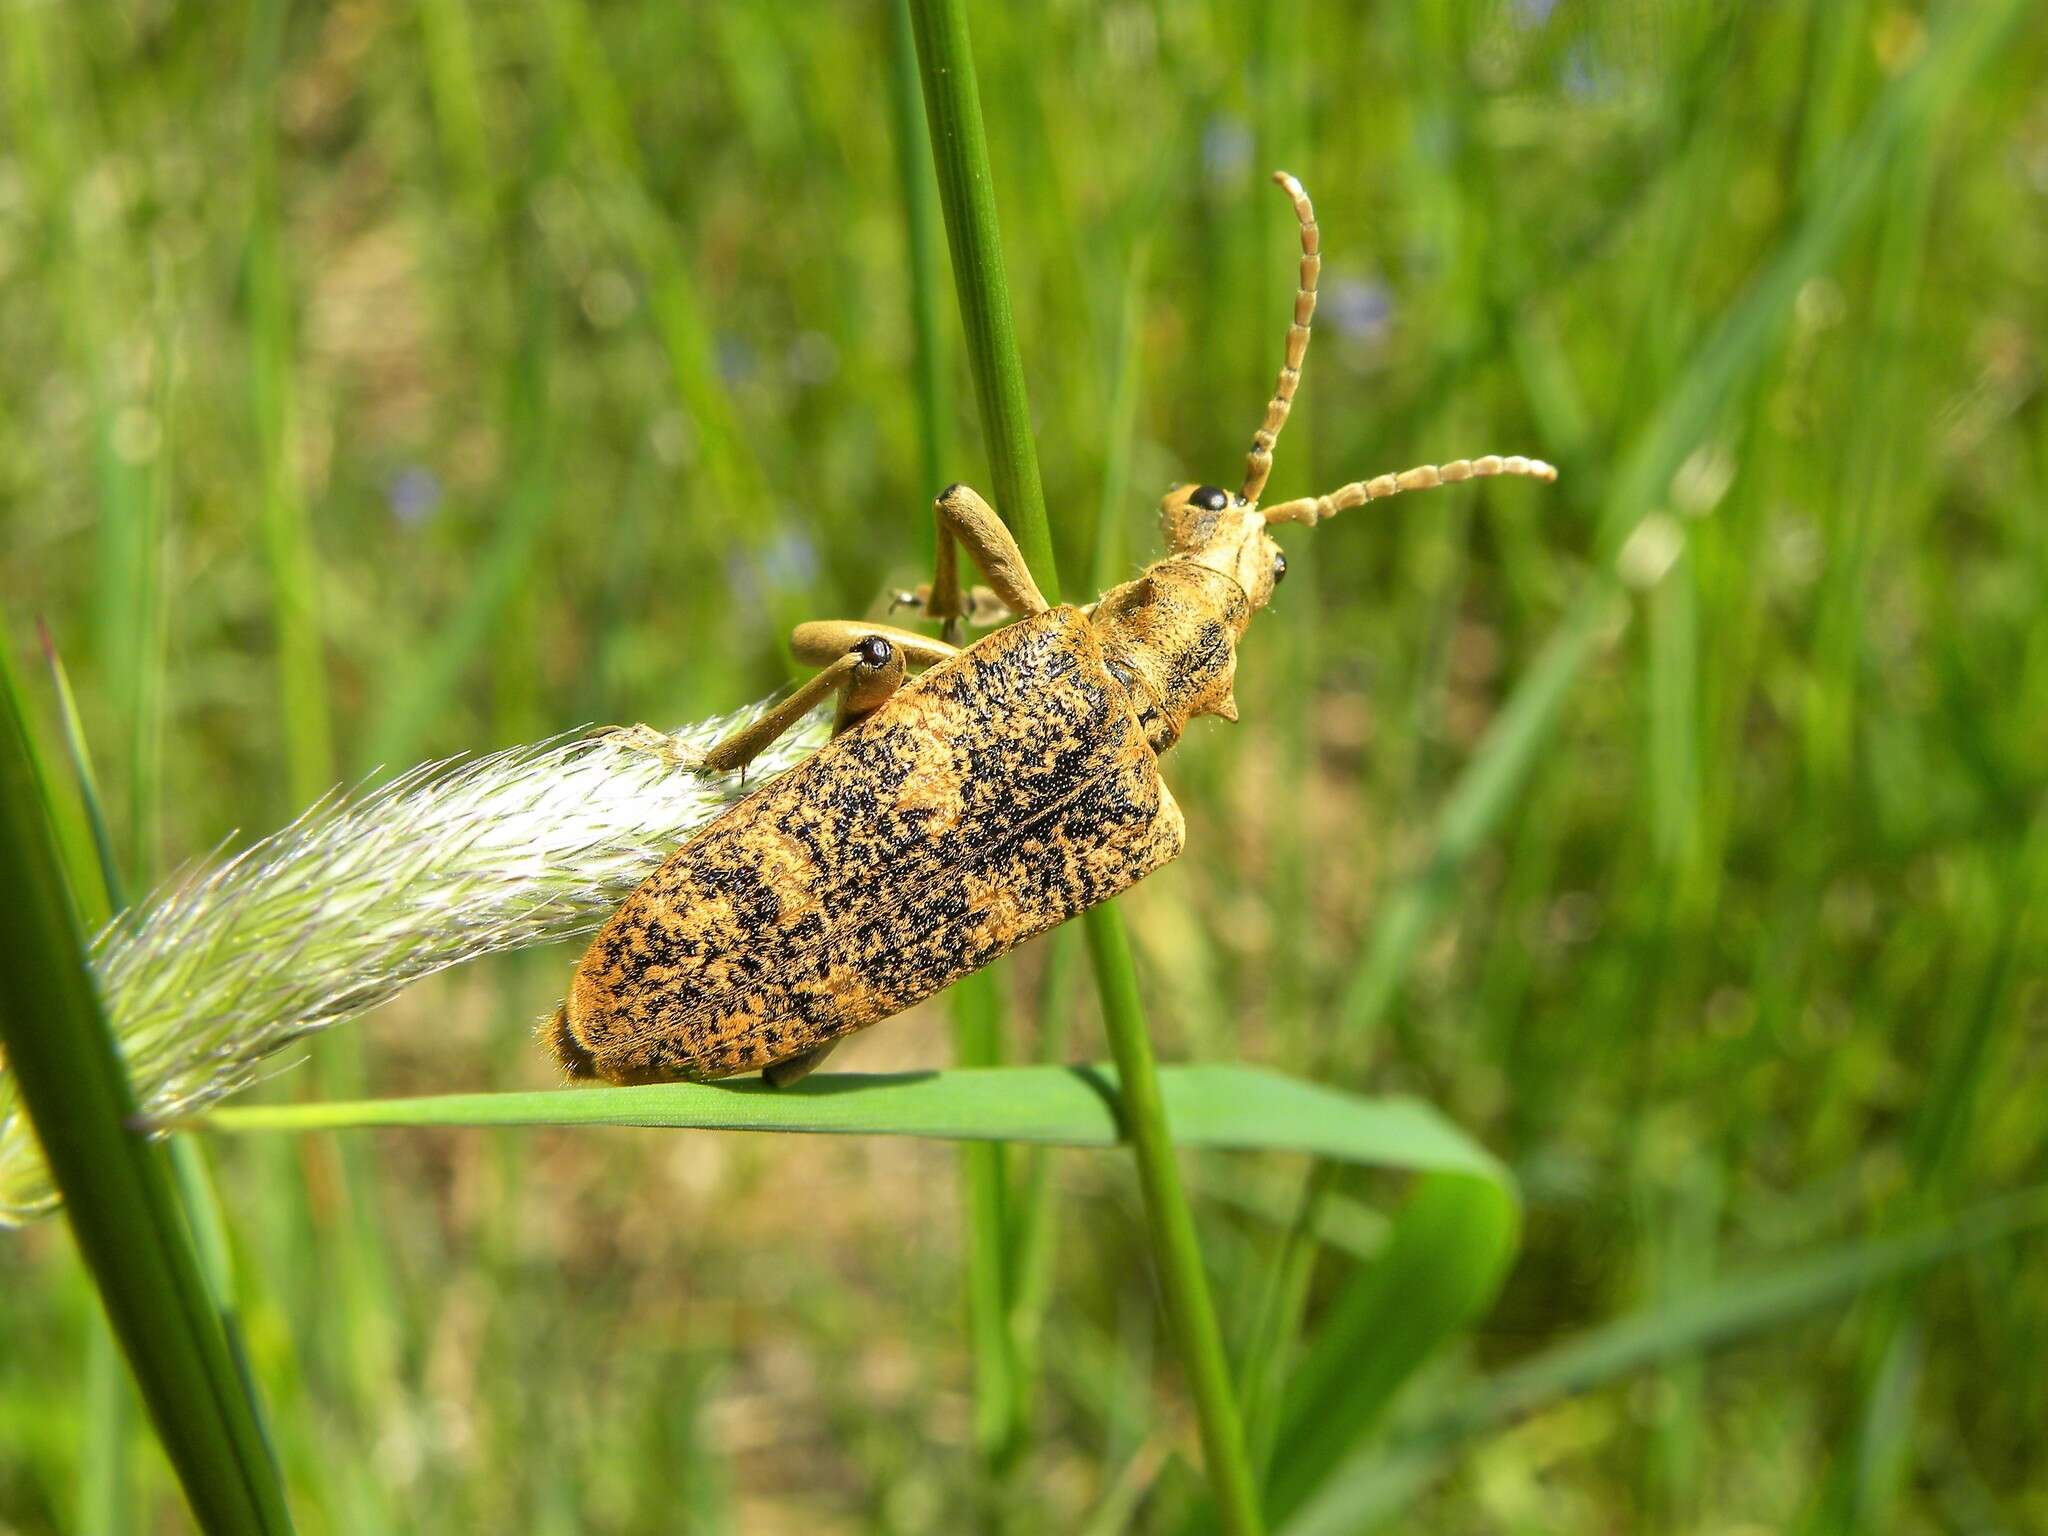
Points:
(1210, 527)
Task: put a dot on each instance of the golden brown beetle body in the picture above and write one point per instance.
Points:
(955, 814)
(995, 796)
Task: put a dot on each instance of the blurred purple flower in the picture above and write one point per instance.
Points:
(413, 494)
(735, 357)
(1586, 78)
(1226, 149)
(1359, 308)
(787, 563)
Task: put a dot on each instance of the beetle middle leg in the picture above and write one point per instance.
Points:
(980, 607)
(962, 513)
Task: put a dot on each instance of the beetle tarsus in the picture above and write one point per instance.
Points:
(791, 1069)
(569, 1051)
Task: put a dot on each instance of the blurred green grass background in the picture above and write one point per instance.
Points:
(386, 381)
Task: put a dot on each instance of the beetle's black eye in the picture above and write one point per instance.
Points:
(873, 651)
(1208, 498)
(1279, 569)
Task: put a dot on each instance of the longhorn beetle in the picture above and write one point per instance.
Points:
(955, 814)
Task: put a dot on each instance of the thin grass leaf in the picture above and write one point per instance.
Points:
(1189, 1307)
(1030, 1240)
(1965, 38)
(976, 1007)
(1110, 560)
(1346, 1223)
(734, 477)
(188, 1170)
(1444, 1263)
(921, 236)
(106, 1469)
(952, 104)
(1475, 806)
(1740, 343)
(1231, 1107)
(107, 896)
(283, 521)
(1276, 1325)
(62, 1059)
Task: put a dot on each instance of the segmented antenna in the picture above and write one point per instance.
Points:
(1259, 462)
(1313, 509)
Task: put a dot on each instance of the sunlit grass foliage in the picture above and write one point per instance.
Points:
(383, 383)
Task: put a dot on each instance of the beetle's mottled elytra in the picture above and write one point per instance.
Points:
(954, 814)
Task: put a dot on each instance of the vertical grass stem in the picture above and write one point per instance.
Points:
(967, 196)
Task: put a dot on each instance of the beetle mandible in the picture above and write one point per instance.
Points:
(954, 814)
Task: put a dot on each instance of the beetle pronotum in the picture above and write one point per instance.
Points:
(1009, 785)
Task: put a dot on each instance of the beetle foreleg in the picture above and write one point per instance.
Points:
(823, 641)
(645, 738)
(864, 674)
(880, 674)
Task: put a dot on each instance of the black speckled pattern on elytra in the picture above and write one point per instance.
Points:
(995, 796)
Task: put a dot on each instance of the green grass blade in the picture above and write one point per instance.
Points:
(1736, 348)
(107, 885)
(921, 246)
(106, 1480)
(1236, 1107)
(1188, 1306)
(117, 1192)
(1276, 1326)
(1744, 1304)
(404, 725)
(1110, 560)
(1002, 1395)
(283, 516)
(952, 104)
(604, 126)
(1474, 808)
(1377, 1483)
(976, 1007)
(967, 194)
(1031, 1239)
(107, 1485)
(1445, 1261)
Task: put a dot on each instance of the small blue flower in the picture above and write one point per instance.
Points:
(1226, 149)
(1360, 308)
(1586, 77)
(414, 495)
(735, 357)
